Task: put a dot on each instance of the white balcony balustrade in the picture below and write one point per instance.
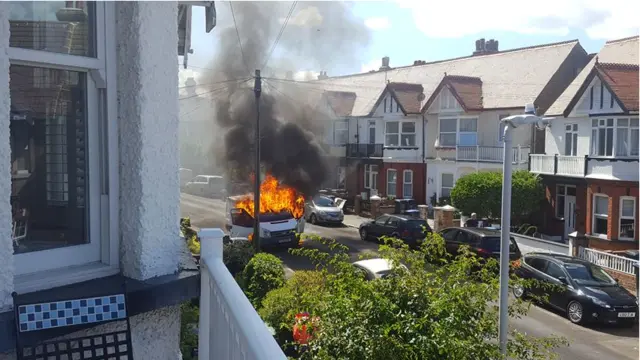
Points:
(229, 326)
(490, 154)
(571, 165)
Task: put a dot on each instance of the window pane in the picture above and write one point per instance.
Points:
(468, 139)
(623, 122)
(609, 122)
(407, 191)
(622, 147)
(65, 27)
(408, 140)
(609, 142)
(568, 143)
(601, 206)
(468, 125)
(408, 177)
(408, 127)
(627, 228)
(574, 150)
(392, 140)
(634, 122)
(392, 127)
(447, 125)
(560, 206)
(391, 182)
(594, 142)
(392, 176)
(447, 139)
(602, 141)
(634, 142)
(48, 165)
(600, 225)
(447, 180)
(627, 207)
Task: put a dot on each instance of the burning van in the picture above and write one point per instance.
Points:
(281, 215)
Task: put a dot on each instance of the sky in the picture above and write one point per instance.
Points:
(408, 30)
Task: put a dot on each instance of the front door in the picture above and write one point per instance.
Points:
(569, 215)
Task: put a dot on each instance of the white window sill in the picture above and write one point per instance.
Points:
(73, 274)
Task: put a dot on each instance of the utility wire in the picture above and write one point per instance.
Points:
(213, 83)
(220, 89)
(233, 15)
(284, 25)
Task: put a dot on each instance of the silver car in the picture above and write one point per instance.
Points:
(322, 209)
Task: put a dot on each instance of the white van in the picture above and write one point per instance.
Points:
(276, 230)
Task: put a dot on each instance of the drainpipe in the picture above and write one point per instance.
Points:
(424, 154)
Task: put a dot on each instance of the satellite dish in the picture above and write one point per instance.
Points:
(421, 97)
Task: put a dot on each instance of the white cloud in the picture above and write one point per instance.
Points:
(456, 18)
(377, 23)
(372, 65)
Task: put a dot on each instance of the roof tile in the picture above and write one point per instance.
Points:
(341, 102)
(407, 95)
(623, 81)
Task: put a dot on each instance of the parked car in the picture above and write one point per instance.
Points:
(207, 185)
(376, 268)
(185, 176)
(323, 209)
(584, 291)
(484, 242)
(404, 227)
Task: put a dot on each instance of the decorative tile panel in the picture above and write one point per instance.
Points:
(71, 312)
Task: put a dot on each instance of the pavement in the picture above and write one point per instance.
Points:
(586, 343)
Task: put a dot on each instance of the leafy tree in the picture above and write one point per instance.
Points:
(263, 273)
(481, 193)
(428, 309)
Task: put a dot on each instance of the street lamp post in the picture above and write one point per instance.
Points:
(528, 118)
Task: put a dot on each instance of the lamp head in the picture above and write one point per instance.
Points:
(529, 109)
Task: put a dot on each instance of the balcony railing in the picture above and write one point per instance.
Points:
(490, 154)
(581, 166)
(608, 260)
(229, 327)
(364, 150)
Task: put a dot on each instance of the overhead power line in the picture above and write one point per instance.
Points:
(212, 91)
(244, 60)
(284, 25)
(213, 83)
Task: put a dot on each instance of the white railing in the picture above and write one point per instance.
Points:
(571, 165)
(229, 326)
(542, 164)
(491, 154)
(607, 260)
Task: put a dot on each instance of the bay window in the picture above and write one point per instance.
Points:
(400, 134)
(627, 218)
(458, 131)
(392, 180)
(407, 184)
(623, 132)
(340, 132)
(57, 134)
(600, 214)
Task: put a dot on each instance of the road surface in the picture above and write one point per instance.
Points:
(586, 343)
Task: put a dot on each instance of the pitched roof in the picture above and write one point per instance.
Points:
(509, 78)
(622, 79)
(621, 51)
(407, 95)
(341, 102)
(466, 89)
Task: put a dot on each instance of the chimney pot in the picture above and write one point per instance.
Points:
(385, 63)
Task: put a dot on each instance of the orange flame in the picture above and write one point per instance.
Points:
(274, 198)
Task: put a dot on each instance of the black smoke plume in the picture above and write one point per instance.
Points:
(318, 35)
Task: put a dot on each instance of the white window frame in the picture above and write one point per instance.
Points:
(340, 126)
(400, 133)
(395, 183)
(600, 124)
(594, 215)
(621, 217)
(571, 132)
(458, 132)
(100, 257)
(453, 176)
(405, 183)
(370, 177)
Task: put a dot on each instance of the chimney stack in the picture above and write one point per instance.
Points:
(419, 62)
(486, 47)
(385, 64)
(323, 75)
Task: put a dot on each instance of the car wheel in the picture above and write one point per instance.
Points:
(363, 234)
(518, 291)
(575, 312)
(313, 219)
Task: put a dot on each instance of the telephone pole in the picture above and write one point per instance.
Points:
(257, 90)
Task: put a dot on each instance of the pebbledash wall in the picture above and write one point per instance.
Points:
(147, 116)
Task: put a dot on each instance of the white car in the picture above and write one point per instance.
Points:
(207, 185)
(376, 268)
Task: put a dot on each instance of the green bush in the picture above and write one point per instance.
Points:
(302, 292)
(263, 273)
(236, 256)
(189, 317)
(481, 193)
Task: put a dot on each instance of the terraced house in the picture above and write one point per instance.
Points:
(590, 162)
(412, 131)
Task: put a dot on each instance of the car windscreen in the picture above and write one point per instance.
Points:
(323, 201)
(588, 274)
(492, 243)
